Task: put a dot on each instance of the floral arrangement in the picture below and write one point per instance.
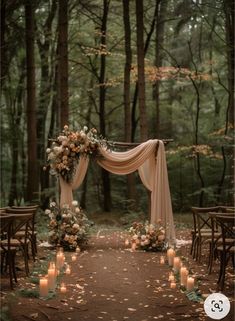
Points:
(65, 150)
(68, 225)
(148, 237)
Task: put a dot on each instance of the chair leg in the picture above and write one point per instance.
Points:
(211, 258)
(195, 245)
(191, 249)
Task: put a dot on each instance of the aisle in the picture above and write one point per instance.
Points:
(110, 283)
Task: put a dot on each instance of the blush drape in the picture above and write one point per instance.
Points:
(149, 159)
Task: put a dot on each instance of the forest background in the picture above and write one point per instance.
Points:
(134, 70)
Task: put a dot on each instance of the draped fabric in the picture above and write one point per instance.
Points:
(149, 159)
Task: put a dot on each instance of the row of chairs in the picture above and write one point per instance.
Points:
(17, 228)
(214, 226)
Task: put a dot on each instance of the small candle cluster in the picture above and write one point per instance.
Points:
(47, 283)
(174, 261)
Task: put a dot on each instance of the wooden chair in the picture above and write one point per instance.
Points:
(227, 249)
(216, 238)
(32, 231)
(20, 242)
(7, 252)
(201, 228)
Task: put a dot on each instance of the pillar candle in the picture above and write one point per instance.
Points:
(190, 283)
(176, 263)
(127, 242)
(171, 277)
(170, 256)
(51, 278)
(78, 250)
(63, 288)
(162, 259)
(60, 259)
(43, 287)
(133, 246)
(173, 285)
(68, 270)
(183, 276)
(74, 257)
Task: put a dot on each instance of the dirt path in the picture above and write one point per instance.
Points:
(110, 283)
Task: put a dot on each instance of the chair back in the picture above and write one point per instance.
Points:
(227, 225)
(201, 218)
(6, 230)
(21, 221)
(21, 211)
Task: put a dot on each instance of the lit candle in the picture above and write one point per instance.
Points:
(43, 287)
(133, 246)
(176, 263)
(78, 250)
(74, 257)
(171, 277)
(63, 288)
(127, 242)
(51, 278)
(173, 285)
(60, 259)
(68, 270)
(162, 259)
(183, 276)
(170, 256)
(190, 283)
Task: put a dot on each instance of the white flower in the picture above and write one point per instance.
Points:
(48, 150)
(143, 237)
(135, 237)
(85, 128)
(52, 204)
(62, 138)
(47, 212)
(74, 203)
(77, 210)
(146, 242)
(76, 226)
(64, 215)
(51, 215)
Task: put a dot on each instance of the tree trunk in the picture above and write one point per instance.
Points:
(102, 93)
(131, 191)
(141, 70)
(46, 85)
(32, 184)
(160, 16)
(63, 63)
(229, 11)
(3, 63)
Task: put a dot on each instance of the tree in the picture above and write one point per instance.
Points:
(141, 70)
(161, 7)
(63, 63)
(102, 93)
(32, 184)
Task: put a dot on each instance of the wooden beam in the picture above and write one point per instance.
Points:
(132, 145)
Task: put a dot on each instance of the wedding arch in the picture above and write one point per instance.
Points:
(150, 161)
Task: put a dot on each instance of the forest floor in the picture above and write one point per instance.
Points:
(109, 282)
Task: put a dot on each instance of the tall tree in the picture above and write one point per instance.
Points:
(102, 93)
(160, 23)
(141, 68)
(63, 93)
(127, 104)
(45, 44)
(32, 183)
